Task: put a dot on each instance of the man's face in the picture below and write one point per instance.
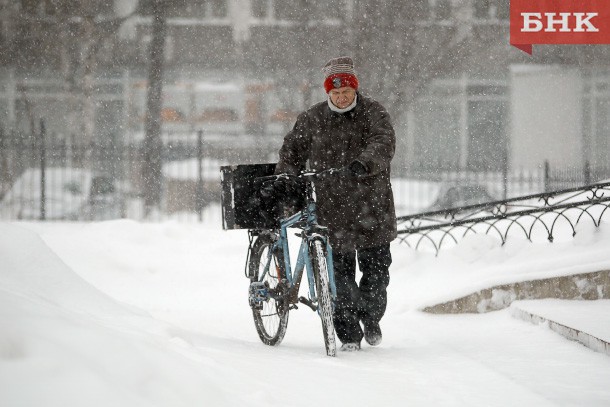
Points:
(342, 97)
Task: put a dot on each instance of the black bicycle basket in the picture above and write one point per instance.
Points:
(243, 205)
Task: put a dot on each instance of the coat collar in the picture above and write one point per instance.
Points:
(335, 109)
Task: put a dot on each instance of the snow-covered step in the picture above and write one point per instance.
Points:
(587, 322)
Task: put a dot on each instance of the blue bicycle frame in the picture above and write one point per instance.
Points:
(311, 230)
(274, 284)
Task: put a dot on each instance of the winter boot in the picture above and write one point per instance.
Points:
(372, 333)
(350, 347)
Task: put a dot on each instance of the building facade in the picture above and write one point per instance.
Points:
(239, 69)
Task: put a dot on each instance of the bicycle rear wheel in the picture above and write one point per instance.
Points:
(317, 253)
(270, 315)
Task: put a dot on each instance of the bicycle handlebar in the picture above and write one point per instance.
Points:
(330, 171)
(305, 174)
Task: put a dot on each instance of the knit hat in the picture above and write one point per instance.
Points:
(339, 72)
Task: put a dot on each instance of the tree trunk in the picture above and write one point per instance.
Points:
(88, 84)
(151, 169)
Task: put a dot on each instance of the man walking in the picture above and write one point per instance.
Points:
(352, 131)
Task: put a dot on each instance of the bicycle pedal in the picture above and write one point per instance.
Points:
(257, 293)
(308, 302)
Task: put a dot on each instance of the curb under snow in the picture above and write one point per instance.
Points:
(588, 340)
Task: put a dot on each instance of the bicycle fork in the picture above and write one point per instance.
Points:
(329, 267)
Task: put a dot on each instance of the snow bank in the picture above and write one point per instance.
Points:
(63, 342)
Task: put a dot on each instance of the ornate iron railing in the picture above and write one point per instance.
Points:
(529, 216)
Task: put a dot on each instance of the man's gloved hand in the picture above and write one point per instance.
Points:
(282, 188)
(358, 168)
(268, 189)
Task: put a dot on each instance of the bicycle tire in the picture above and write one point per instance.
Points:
(317, 254)
(271, 320)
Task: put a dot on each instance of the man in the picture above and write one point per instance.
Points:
(354, 132)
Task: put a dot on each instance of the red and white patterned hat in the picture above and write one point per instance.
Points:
(339, 72)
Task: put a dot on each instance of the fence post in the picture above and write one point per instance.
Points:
(587, 170)
(2, 163)
(547, 171)
(43, 165)
(504, 180)
(199, 197)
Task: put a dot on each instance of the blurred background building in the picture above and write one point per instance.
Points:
(237, 72)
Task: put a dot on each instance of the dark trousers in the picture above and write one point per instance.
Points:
(364, 301)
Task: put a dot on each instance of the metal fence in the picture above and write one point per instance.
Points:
(43, 177)
(538, 216)
(46, 178)
(429, 190)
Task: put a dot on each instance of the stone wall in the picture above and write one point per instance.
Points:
(587, 286)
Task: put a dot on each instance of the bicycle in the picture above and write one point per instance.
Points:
(274, 284)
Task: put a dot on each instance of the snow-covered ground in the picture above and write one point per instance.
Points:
(122, 313)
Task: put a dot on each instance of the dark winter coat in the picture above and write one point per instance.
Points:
(359, 211)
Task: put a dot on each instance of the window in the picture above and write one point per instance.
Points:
(596, 121)
(481, 9)
(35, 7)
(502, 10)
(220, 114)
(491, 9)
(105, 8)
(285, 10)
(170, 114)
(442, 9)
(197, 9)
(217, 8)
(602, 130)
(64, 7)
(333, 9)
(177, 8)
(309, 10)
(486, 135)
(260, 8)
(437, 142)
(462, 123)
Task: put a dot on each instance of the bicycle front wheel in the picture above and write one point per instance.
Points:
(317, 253)
(270, 315)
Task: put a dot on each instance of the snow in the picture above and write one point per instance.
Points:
(124, 313)
(187, 170)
